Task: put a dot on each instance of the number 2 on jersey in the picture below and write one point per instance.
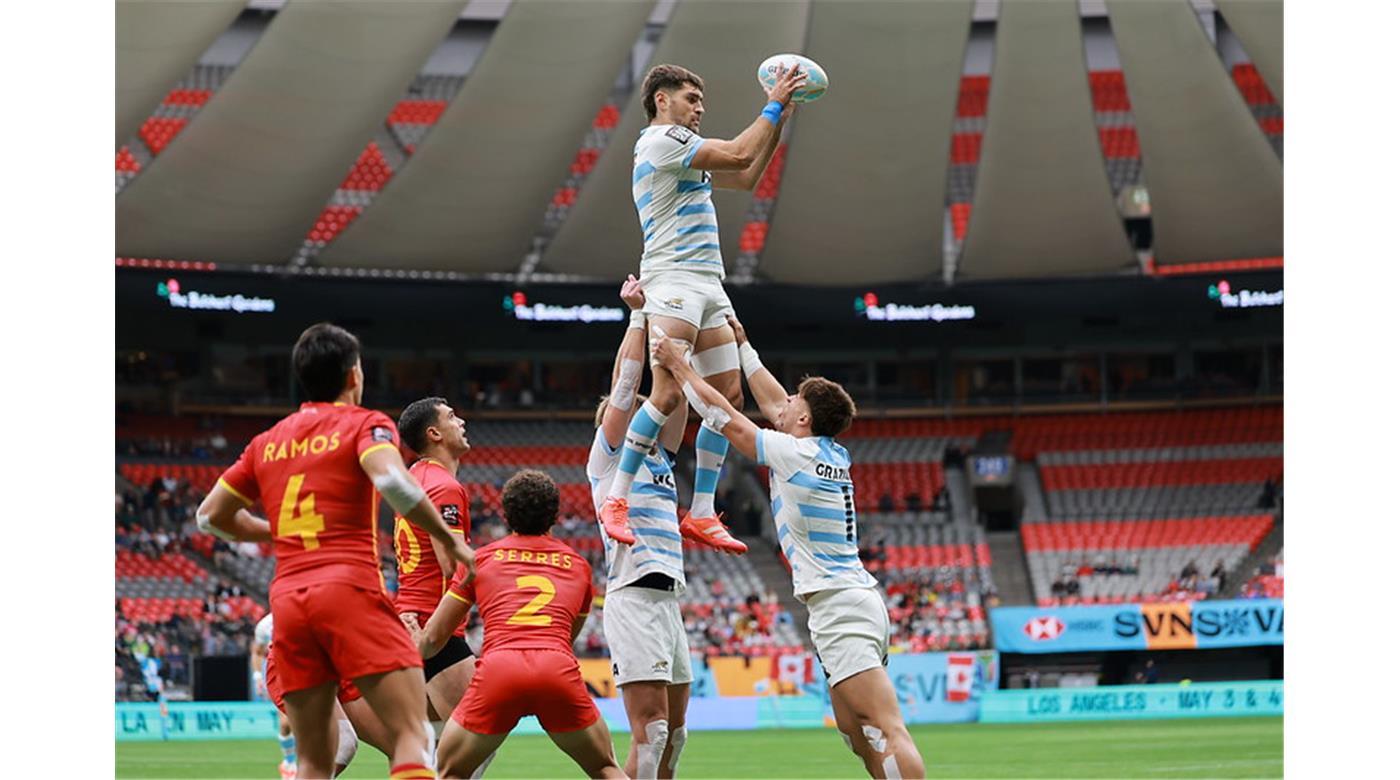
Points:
(300, 518)
(527, 615)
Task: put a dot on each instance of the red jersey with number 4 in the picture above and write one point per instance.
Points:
(319, 501)
(421, 580)
(528, 590)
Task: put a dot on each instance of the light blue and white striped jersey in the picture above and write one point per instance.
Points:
(679, 229)
(651, 513)
(814, 508)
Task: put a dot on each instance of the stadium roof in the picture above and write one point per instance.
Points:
(866, 179)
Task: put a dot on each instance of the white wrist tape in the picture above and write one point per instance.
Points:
(638, 320)
(206, 524)
(629, 378)
(400, 489)
(748, 358)
(716, 417)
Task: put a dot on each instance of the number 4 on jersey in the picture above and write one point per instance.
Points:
(300, 519)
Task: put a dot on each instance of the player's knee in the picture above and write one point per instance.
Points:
(678, 737)
(651, 748)
(850, 745)
(735, 395)
(348, 744)
(666, 397)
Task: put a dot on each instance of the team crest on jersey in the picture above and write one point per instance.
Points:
(674, 304)
(381, 434)
(451, 515)
(679, 134)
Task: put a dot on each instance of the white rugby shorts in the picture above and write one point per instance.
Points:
(851, 630)
(699, 299)
(646, 636)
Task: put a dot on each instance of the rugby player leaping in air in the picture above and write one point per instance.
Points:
(673, 172)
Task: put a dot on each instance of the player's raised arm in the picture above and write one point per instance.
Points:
(748, 178)
(746, 151)
(627, 367)
(450, 613)
(766, 389)
(384, 466)
(710, 403)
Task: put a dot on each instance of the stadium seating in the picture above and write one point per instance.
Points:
(1262, 105)
(937, 579)
(1140, 506)
(169, 119)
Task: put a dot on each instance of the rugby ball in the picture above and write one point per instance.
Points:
(817, 81)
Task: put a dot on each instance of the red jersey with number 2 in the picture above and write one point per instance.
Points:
(528, 590)
(320, 503)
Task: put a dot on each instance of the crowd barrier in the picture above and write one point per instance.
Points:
(1169, 626)
(1131, 702)
(730, 694)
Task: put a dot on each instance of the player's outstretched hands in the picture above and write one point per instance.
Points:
(740, 337)
(666, 351)
(465, 555)
(410, 622)
(631, 293)
(786, 83)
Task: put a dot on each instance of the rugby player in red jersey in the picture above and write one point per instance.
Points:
(433, 430)
(534, 593)
(319, 473)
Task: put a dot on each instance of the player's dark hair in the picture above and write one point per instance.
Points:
(416, 419)
(831, 406)
(530, 501)
(668, 78)
(323, 355)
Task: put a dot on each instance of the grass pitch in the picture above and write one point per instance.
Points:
(1216, 747)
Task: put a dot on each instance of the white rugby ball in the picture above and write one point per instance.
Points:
(817, 81)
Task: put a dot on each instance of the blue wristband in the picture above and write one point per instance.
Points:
(773, 112)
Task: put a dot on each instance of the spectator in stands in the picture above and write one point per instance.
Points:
(912, 502)
(1269, 496)
(886, 502)
(1072, 587)
(1058, 589)
(1218, 575)
(1189, 571)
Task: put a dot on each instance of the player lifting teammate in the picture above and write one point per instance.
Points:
(533, 593)
(319, 473)
(814, 510)
(433, 430)
(642, 618)
(673, 173)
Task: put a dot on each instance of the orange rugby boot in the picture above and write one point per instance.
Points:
(710, 532)
(614, 519)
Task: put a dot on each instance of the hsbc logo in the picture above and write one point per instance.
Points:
(1044, 628)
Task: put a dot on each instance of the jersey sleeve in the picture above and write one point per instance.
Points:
(461, 590)
(376, 432)
(587, 574)
(601, 457)
(673, 149)
(239, 478)
(781, 452)
(450, 498)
